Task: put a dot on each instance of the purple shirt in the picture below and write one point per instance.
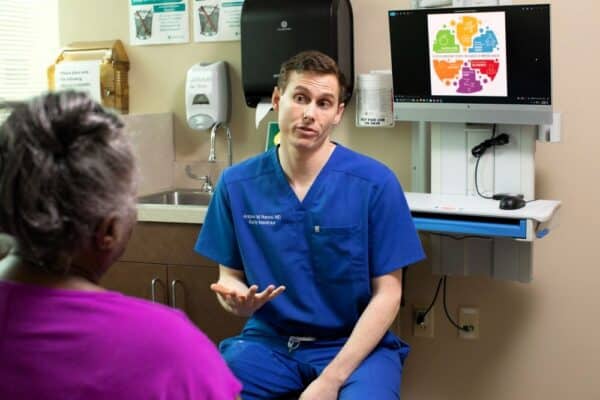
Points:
(68, 344)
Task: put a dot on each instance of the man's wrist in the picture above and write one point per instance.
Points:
(334, 377)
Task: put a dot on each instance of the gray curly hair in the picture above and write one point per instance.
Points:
(65, 165)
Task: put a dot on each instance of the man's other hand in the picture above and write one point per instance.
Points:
(244, 304)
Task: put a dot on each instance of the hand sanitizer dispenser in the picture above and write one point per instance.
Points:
(207, 99)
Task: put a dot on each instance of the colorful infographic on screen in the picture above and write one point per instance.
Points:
(468, 54)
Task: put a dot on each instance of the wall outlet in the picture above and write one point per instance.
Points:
(425, 327)
(468, 316)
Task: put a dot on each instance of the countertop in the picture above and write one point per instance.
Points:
(171, 213)
(541, 210)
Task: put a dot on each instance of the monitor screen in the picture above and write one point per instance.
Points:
(476, 64)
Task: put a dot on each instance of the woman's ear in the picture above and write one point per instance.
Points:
(107, 233)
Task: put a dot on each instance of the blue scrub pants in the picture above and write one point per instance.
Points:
(270, 367)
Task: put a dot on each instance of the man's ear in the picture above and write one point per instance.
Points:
(339, 114)
(275, 97)
(107, 233)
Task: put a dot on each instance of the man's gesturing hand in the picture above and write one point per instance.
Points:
(245, 304)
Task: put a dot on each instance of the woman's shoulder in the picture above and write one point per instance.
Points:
(144, 311)
(166, 350)
(169, 335)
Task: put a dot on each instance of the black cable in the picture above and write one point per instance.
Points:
(476, 184)
(464, 328)
(461, 237)
(420, 318)
(479, 150)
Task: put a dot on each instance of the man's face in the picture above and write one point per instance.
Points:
(308, 108)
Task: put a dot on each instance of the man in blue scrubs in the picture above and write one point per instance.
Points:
(311, 238)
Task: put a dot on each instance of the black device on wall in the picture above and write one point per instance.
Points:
(473, 64)
(274, 30)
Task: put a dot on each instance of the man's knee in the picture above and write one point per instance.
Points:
(264, 373)
(378, 377)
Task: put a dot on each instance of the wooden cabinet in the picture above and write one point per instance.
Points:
(160, 265)
(144, 280)
(189, 290)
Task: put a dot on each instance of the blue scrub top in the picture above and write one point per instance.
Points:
(353, 225)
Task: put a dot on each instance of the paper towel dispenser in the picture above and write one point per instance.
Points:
(110, 61)
(274, 30)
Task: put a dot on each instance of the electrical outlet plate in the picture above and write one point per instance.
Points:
(468, 316)
(426, 329)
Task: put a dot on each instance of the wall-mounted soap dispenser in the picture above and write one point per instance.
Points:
(208, 101)
(207, 95)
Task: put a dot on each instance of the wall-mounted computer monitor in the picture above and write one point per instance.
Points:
(476, 64)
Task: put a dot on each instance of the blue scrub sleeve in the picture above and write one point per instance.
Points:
(393, 240)
(217, 239)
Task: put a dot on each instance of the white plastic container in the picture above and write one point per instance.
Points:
(207, 95)
(375, 100)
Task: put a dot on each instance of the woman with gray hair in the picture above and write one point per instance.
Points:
(67, 208)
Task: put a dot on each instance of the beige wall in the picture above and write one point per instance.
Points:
(538, 341)
(157, 82)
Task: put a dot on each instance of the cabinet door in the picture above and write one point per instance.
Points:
(189, 288)
(148, 281)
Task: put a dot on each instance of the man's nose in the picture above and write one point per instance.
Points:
(309, 112)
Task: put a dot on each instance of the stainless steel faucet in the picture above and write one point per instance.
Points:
(211, 152)
(207, 185)
(213, 133)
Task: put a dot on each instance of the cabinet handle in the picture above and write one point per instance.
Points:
(174, 283)
(153, 289)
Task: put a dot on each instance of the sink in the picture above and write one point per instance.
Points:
(177, 197)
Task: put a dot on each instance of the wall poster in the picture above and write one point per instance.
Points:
(216, 20)
(158, 22)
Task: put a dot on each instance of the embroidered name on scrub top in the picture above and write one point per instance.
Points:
(262, 219)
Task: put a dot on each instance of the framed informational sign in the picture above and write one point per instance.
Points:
(216, 20)
(158, 22)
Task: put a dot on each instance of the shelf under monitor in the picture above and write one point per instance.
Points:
(472, 216)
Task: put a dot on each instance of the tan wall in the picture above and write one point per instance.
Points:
(538, 341)
(157, 83)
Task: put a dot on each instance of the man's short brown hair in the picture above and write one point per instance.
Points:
(312, 61)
